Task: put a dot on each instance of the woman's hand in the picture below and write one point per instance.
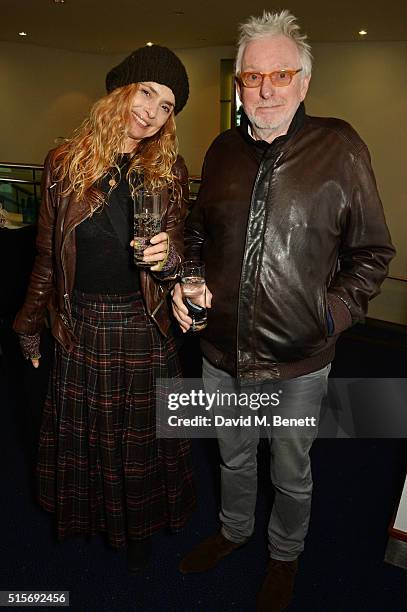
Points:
(157, 252)
(30, 347)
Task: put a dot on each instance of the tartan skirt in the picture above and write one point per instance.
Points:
(100, 464)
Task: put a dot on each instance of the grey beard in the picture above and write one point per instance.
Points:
(263, 125)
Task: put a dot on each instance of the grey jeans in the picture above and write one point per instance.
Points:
(290, 468)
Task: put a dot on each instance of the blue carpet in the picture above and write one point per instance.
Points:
(357, 483)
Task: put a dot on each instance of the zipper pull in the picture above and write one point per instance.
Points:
(67, 303)
(67, 320)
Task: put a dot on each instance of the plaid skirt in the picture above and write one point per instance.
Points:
(100, 466)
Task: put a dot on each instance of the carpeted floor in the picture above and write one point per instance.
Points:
(356, 486)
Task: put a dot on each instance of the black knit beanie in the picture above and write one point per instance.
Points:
(154, 63)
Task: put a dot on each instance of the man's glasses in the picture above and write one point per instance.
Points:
(279, 78)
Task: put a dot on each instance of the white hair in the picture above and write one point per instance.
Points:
(271, 25)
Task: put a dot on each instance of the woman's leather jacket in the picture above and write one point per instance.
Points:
(53, 276)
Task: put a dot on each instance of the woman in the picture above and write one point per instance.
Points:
(101, 467)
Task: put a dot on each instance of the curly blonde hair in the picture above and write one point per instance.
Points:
(95, 150)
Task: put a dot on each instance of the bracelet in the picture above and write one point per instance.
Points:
(30, 345)
(163, 262)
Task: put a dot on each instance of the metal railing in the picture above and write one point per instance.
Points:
(20, 191)
(402, 279)
(194, 183)
(29, 209)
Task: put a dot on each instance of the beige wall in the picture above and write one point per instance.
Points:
(349, 82)
(46, 93)
(199, 122)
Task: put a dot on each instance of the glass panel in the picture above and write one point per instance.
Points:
(23, 174)
(194, 183)
(227, 87)
(230, 105)
(38, 175)
(20, 194)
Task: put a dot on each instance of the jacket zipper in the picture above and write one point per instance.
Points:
(160, 303)
(68, 320)
(259, 171)
(156, 309)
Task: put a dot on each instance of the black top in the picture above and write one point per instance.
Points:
(259, 147)
(104, 257)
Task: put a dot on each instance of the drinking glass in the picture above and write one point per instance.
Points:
(194, 292)
(147, 222)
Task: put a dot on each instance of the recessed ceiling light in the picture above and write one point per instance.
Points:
(149, 44)
(22, 33)
(362, 32)
(59, 1)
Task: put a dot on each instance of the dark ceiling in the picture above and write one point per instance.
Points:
(117, 26)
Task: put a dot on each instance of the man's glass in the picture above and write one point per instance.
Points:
(279, 78)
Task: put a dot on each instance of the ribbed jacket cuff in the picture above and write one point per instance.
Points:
(340, 314)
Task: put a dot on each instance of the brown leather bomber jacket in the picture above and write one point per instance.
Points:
(53, 276)
(293, 239)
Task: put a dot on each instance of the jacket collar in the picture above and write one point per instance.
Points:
(74, 211)
(261, 145)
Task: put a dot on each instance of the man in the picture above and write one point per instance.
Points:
(290, 226)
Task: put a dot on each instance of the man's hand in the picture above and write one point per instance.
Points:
(180, 310)
(157, 252)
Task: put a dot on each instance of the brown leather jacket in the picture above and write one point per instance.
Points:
(293, 238)
(53, 276)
